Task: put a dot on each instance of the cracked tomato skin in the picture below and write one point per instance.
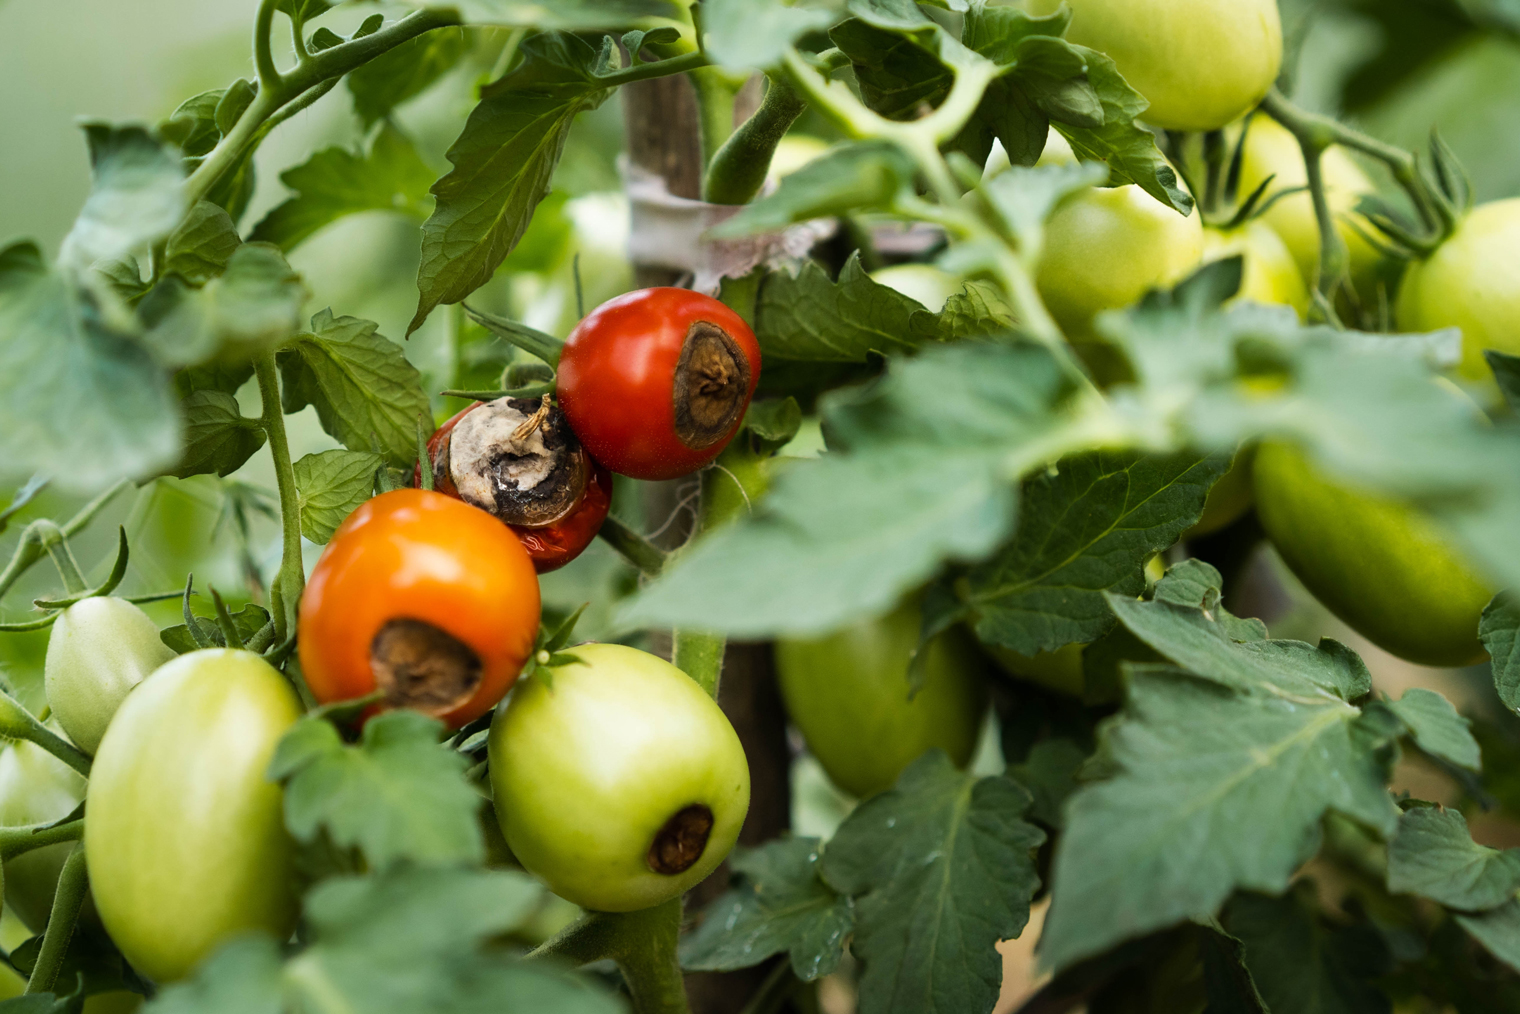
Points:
(550, 546)
(616, 380)
(411, 554)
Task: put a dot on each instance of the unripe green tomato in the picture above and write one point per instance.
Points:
(1107, 247)
(925, 283)
(1472, 281)
(98, 650)
(35, 788)
(1059, 670)
(1228, 499)
(184, 834)
(848, 692)
(1378, 564)
(617, 780)
(1200, 63)
(1271, 150)
(1270, 274)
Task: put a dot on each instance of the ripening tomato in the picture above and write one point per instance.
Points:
(1270, 275)
(97, 651)
(848, 693)
(184, 834)
(35, 788)
(1378, 564)
(424, 597)
(519, 461)
(617, 780)
(1107, 247)
(655, 382)
(1201, 64)
(1472, 282)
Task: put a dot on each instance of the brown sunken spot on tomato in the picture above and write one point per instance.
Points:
(516, 458)
(681, 842)
(421, 667)
(711, 385)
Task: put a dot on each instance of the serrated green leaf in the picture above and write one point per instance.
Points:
(1437, 728)
(360, 382)
(1498, 931)
(1087, 529)
(405, 71)
(252, 307)
(335, 182)
(233, 103)
(1433, 855)
(330, 485)
(503, 162)
(1215, 790)
(218, 438)
(398, 795)
(199, 249)
(810, 318)
(745, 35)
(977, 311)
(943, 868)
(918, 479)
(997, 31)
(860, 176)
(900, 74)
(192, 125)
(246, 621)
(1300, 964)
(78, 399)
(561, 15)
(777, 904)
(135, 196)
(1049, 775)
(1500, 625)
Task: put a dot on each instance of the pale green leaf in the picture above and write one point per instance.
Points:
(251, 308)
(1433, 855)
(330, 485)
(408, 70)
(135, 197)
(1437, 728)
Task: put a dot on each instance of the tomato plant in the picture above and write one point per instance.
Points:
(1109, 376)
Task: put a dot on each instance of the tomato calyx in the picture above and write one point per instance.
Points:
(711, 386)
(423, 667)
(680, 843)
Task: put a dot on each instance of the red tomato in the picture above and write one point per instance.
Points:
(541, 484)
(655, 382)
(424, 597)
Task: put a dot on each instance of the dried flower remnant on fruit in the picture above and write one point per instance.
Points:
(516, 458)
(421, 667)
(681, 842)
(711, 384)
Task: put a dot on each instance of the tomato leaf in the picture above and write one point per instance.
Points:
(503, 162)
(1437, 728)
(252, 307)
(199, 249)
(1433, 855)
(1507, 373)
(218, 437)
(135, 197)
(913, 479)
(408, 70)
(335, 182)
(750, 35)
(1498, 930)
(329, 486)
(1500, 624)
(360, 382)
(249, 621)
(807, 317)
(1049, 774)
(977, 311)
(1087, 529)
(398, 795)
(942, 868)
(777, 903)
(79, 399)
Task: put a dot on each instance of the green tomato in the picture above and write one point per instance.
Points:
(1271, 150)
(35, 788)
(925, 283)
(617, 780)
(1228, 499)
(1059, 670)
(1472, 282)
(1270, 273)
(848, 692)
(98, 650)
(1378, 564)
(1107, 247)
(184, 835)
(1200, 63)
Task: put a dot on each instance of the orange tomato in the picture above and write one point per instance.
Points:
(424, 597)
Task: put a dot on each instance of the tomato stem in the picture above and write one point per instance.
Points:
(637, 550)
(15, 841)
(292, 576)
(700, 656)
(642, 944)
(18, 723)
(72, 882)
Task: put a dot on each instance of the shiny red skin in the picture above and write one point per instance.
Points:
(617, 373)
(549, 546)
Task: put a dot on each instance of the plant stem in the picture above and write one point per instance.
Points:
(643, 945)
(18, 723)
(292, 576)
(715, 109)
(56, 544)
(263, 59)
(637, 550)
(659, 68)
(774, 990)
(72, 882)
(15, 841)
(700, 656)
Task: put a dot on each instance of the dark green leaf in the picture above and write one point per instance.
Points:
(997, 31)
(977, 311)
(1226, 979)
(192, 125)
(1433, 855)
(503, 162)
(225, 377)
(398, 795)
(777, 903)
(254, 306)
(335, 182)
(773, 422)
(247, 621)
(305, 10)
(200, 248)
(1050, 776)
(218, 438)
(405, 71)
(943, 868)
(1437, 728)
(860, 176)
(1501, 621)
(78, 399)
(360, 382)
(807, 317)
(43, 1003)
(921, 479)
(1053, 74)
(231, 106)
(329, 486)
(1507, 373)
(1302, 965)
(135, 197)
(900, 75)
(1498, 931)
(1086, 529)
(746, 35)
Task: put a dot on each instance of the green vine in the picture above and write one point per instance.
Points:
(291, 579)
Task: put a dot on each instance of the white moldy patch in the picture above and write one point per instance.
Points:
(484, 438)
